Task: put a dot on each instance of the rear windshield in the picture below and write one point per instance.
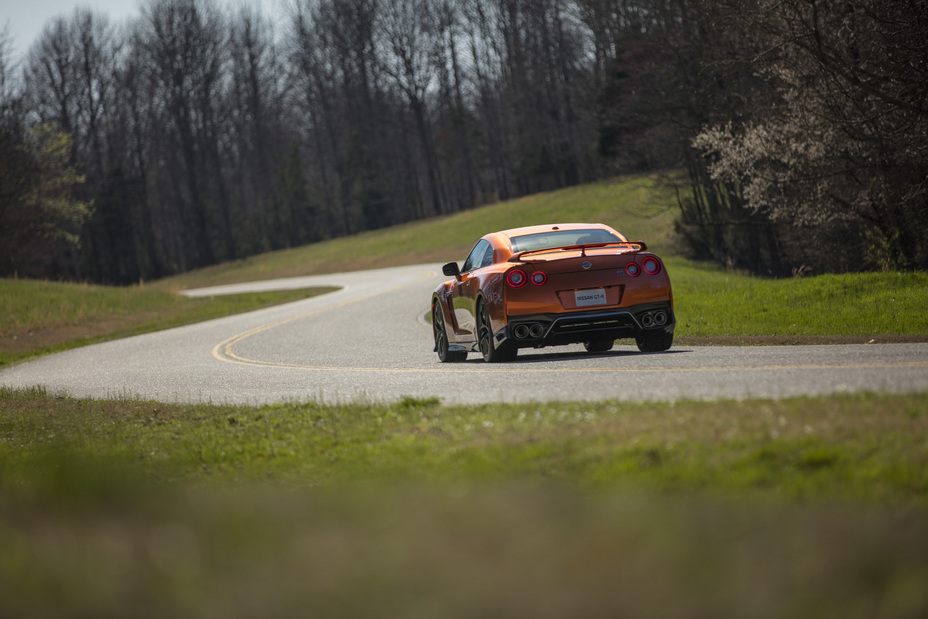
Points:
(561, 238)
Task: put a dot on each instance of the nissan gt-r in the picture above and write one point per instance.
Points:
(552, 285)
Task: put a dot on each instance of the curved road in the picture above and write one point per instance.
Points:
(370, 341)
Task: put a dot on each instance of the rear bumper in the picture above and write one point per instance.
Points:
(539, 330)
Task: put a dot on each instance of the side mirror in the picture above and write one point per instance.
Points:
(451, 269)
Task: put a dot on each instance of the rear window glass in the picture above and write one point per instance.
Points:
(561, 238)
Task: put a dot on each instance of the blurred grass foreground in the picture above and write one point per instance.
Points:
(809, 507)
(797, 508)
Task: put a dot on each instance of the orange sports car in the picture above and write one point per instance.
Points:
(549, 286)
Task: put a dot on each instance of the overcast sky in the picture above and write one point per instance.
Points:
(26, 18)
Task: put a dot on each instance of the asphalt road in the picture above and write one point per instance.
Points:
(370, 342)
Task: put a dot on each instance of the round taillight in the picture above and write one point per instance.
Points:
(651, 266)
(539, 278)
(516, 278)
(632, 269)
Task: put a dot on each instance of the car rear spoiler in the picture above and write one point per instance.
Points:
(633, 246)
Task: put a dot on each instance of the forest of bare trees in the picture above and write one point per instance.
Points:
(797, 130)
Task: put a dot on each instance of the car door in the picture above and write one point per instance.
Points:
(464, 292)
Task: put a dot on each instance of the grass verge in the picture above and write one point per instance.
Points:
(40, 317)
(865, 448)
(720, 307)
(801, 507)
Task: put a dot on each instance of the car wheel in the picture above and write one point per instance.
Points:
(445, 355)
(654, 341)
(491, 353)
(599, 345)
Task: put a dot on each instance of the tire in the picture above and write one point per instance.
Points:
(488, 349)
(445, 355)
(599, 345)
(654, 341)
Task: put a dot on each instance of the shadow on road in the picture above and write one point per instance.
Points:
(530, 358)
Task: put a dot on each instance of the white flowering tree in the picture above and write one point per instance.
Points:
(835, 152)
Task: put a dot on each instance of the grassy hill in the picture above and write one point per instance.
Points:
(641, 208)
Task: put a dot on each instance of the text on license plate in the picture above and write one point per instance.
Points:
(590, 297)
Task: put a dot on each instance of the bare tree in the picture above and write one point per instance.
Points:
(332, 53)
(486, 56)
(18, 169)
(51, 70)
(184, 44)
(411, 33)
(258, 138)
(71, 70)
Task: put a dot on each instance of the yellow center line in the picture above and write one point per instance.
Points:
(223, 352)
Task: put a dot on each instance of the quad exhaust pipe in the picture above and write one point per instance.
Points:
(524, 331)
(654, 319)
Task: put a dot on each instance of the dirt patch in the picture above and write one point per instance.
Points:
(40, 339)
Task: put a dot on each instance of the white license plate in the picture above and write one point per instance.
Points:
(590, 297)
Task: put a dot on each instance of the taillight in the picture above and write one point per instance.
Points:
(515, 278)
(632, 269)
(539, 278)
(651, 265)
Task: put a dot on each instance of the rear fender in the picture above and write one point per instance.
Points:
(441, 298)
(493, 296)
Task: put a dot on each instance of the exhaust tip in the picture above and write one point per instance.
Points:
(660, 319)
(537, 330)
(647, 320)
(521, 331)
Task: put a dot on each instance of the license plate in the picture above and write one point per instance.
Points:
(590, 297)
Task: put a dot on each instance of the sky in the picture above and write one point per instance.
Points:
(27, 18)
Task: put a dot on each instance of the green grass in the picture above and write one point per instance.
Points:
(861, 448)
(802, 507)
(40, 317)
(711, 302)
